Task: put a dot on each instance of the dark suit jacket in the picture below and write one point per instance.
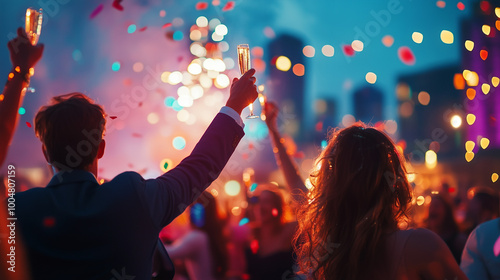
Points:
(77, 229)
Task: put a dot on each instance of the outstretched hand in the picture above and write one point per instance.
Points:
(243, 91)
(22, 52)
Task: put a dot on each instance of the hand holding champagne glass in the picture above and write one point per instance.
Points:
(33, 25)
(33, 28)
(244, 63)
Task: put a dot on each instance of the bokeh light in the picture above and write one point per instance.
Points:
(469, 45)
(298, 69)
(388, 40)
(430, 159)
(417, 37)
(232, 188)
(447, 37)
(485, 142)
(179, 143)
(283, 63)
(424, 98)
(456, 121)
(357, 45)
(115, 66)
(328, 50)
(308, 51)
(371, 77)
(471, 118)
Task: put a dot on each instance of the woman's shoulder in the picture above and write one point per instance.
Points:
(423, 246)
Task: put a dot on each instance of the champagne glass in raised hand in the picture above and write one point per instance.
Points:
(33, 29)
(244, 63)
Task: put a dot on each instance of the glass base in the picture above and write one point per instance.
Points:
(252, 116)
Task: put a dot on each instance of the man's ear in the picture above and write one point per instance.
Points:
(44, 150)
(100, 149)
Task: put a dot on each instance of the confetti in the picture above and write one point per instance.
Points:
(136, 135)
(168, 24)
(275, 212)
(117, 5)
(243, 221)
(143, 28)
(254, 246)
(96, 11)
(201, 5)
(406, 55)
(229, 6)
(460, 6)
(496, 247)
(28, 124)
(441, 4)
(113, 117)
(49, 222)
(348, 50)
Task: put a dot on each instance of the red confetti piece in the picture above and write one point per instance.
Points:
(49, 222)
(28, 124)
(142, 29)
(299, 155)
(117, 5)
(483, 54)
(168, 24)
(96, 11)
(273, 60)
(245, 156)
(113, 117)
(140, 104)
(229, 6)
(136, 135)
(180, 58)
(348, 50)
(201, 5)
(250, 146)
(275, 212)
(485, 6)
(319, 126)
(406, 55)
(254, 246)
(460, 6)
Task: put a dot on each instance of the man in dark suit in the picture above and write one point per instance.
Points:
(77, 229)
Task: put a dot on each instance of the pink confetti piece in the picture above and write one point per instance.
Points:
(168, 24)
(28, 124)
(348, 50)
(460, 6)
(229, 6)
(136, 135)
(496, 247)
(201, 5)
(96, 11)
(406, 55)
(142, 29)
(180, 58)
(113, 117)
(117, 5)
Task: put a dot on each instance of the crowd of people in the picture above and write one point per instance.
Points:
(347, 225)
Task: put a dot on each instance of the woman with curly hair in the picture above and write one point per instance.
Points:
(348, 226)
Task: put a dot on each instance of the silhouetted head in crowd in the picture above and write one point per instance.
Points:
(483, 206)
(204, 215)
(441, 218)
(71, 129)
(359, 194)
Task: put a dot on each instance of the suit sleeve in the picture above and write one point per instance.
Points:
(472, 262)
(168, 195)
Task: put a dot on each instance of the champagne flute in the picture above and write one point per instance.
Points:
(244, 63)
(33, 29)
